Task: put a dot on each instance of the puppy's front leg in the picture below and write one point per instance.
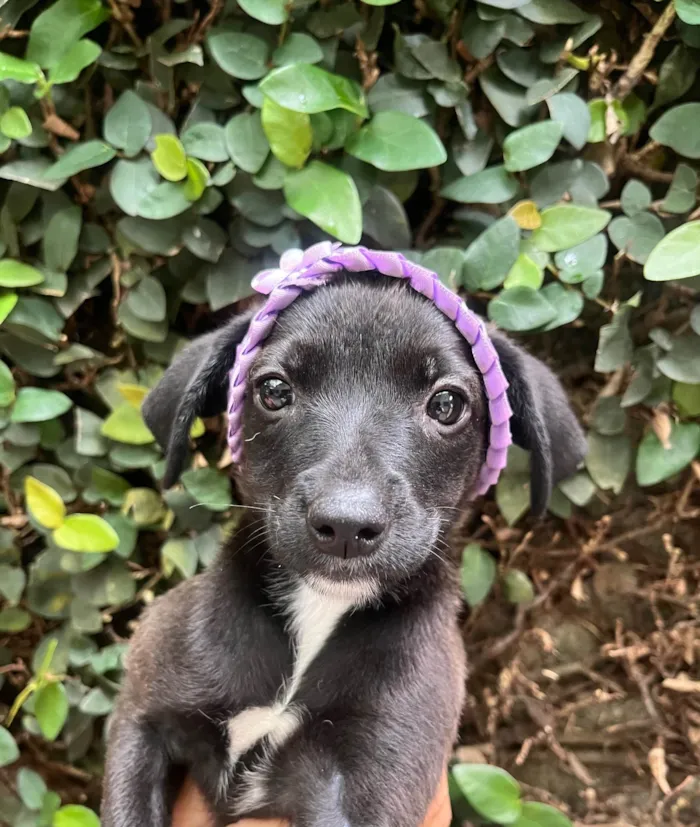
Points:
(136, 777)
(365, 776)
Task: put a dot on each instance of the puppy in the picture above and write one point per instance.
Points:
(315, 671)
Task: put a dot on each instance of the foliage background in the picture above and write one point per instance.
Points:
(156, 154)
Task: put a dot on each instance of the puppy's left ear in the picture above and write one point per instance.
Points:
(195, 384)
(543, 422)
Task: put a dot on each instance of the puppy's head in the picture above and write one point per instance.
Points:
(365, 426)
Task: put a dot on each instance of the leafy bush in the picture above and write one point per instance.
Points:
(154, 158)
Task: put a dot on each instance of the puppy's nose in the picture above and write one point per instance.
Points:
(347, 523)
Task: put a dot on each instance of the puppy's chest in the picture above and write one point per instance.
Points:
(311, 621)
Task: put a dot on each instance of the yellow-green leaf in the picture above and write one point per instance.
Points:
(125, 424)
(15, 123)
(289, 133)
(197, 179)
(169, 157)
(44, 503)
(86, 533)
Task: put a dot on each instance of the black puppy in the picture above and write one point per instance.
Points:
(315, 671)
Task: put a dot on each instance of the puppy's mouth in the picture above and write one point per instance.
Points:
(407, 542)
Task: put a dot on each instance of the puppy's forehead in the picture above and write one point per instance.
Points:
(367, 322)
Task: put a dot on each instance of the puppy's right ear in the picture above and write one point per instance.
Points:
(195, 384)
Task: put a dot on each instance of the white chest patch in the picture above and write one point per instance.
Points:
(312, 619)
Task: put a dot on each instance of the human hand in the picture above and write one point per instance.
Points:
(190, 810)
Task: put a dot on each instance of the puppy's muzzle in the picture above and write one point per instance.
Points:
(347, 522)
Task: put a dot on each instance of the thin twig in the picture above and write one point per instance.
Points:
(642, 59)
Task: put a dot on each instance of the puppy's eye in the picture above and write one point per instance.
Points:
(275, 394)
(446, 407)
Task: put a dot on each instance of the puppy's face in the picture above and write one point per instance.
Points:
(365, 425)
(365, 422)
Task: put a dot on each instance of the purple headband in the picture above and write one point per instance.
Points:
(301, 270)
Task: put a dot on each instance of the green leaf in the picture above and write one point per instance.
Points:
(131, 182)
(675, 256)
(39, 405)
(272, 12)
(566, 225)
(297, 48)
(44, 503)
(506, 97)
(328, 197)
(687, 398)
(394, 141)
(14, 620)
(489, 258)
(579, 489)
(8, 301)
(635, 198)
(75, 815)
(571, 112)
(615, 346)
(180, 554)
(682, 361)
(289, 133)
(60, 242)
(166, 200)
(677, 128)
(549, 12)
(51, 709)
(524, 273)
(197, 180)
(127, 124)
(478, 573)
(125, 424)
(636, 236)
(305, 88)
(656, 463)
(83, 54)
(206, 141)
(21, 71)
(208, 487)
(15, 124)
(535, 814)
(55, 31)
(79, 158)
(86, 533)
(9, 752)
(31, 172)
(567, 303)
(518, 587)
(169, 157)
(7, 386)
(240, 55)
(681, 197)
(531, 145)
(493, 185)
(246, 141)
(31, 788)
(17, 274)
(688, 11)
(676, 75)
(491, 791)
(608, 460)
(520, 309)
(148, 300)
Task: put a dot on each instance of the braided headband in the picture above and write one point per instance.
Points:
(301, 270)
